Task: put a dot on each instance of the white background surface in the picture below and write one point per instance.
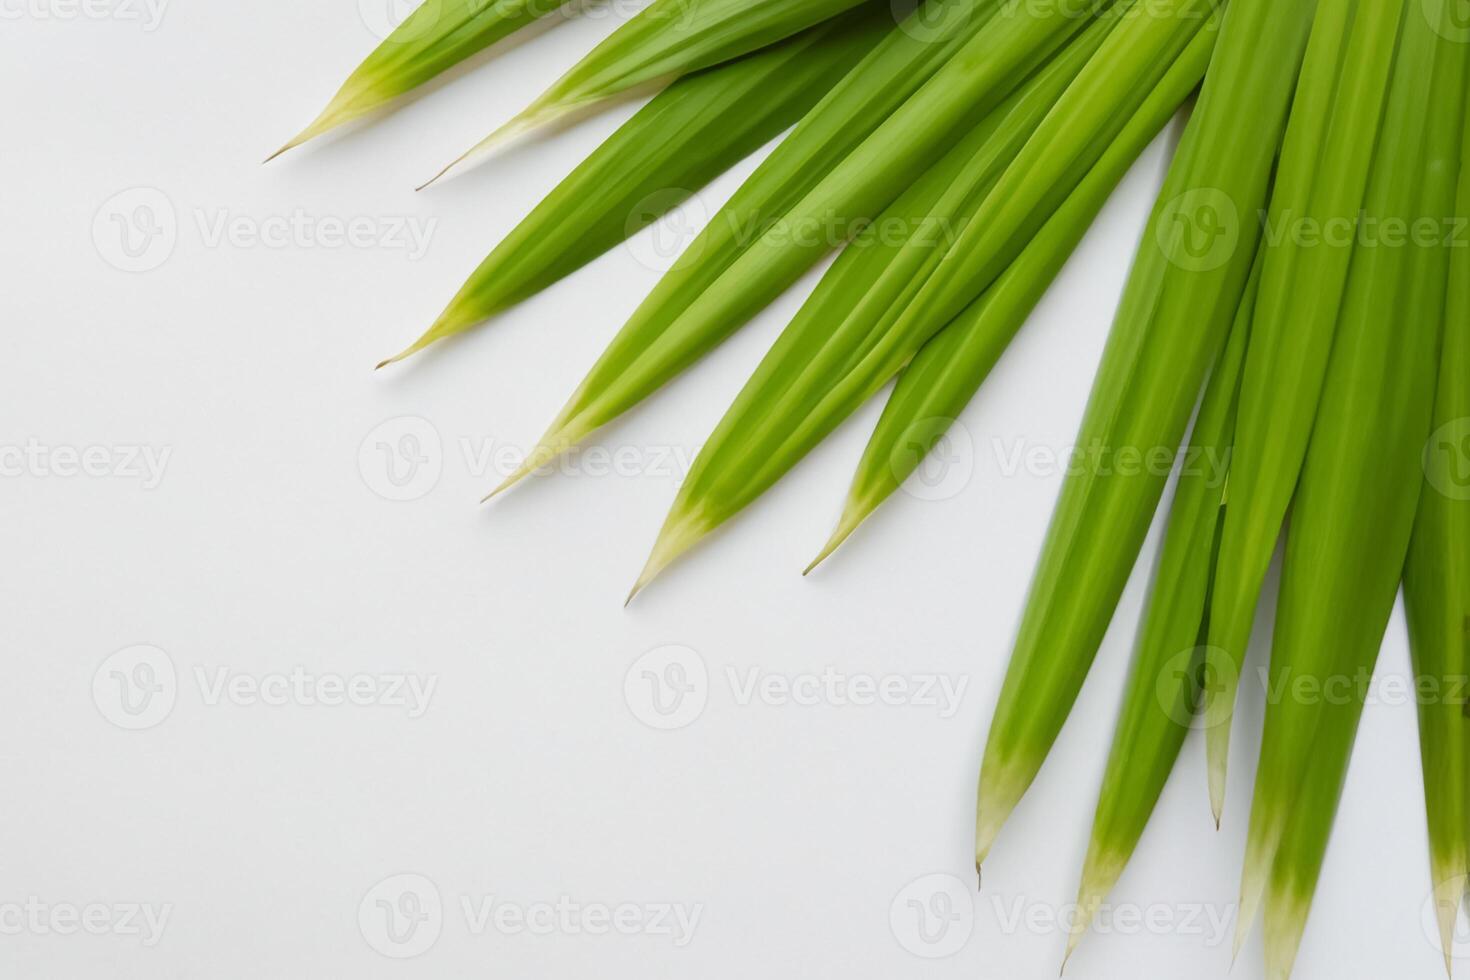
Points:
(796, 830)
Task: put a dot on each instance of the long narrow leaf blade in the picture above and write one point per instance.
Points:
(667, 39)
(804, 388)
(1166, 676)
(1437, 593)
(690, 133)
(940, 381)
(730, 279)
(1354, 510)
(1170, 327)
(1320, 184)
(431, 40)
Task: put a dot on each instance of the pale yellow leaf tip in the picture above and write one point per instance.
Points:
(521, 472)
(852, 518)
(291, 144)
(533, 117)
(1283, 939)
(408, 351)
(1100, 872)
(484, 149)
(987, 828)
(561, 438)
(332, 117)
(1447, 895)
(678, 535)
(1216, 766)
(1252, 885)
(833, 543)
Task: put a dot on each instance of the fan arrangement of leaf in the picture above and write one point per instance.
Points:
(1302, 293)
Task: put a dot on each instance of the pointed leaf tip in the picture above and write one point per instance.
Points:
(841, 533)
(1217, 787)
(292, 143)
(679, 533)
(510, 481)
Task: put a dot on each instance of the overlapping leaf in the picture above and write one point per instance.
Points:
(1314, 211)
(987, 134)
(438, 35)
(667, 39)
(1354, 509)
(1170, 327)
(690, 133)
(847, 161)
(818, 374)
(1167, 674)
(1437, 592)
